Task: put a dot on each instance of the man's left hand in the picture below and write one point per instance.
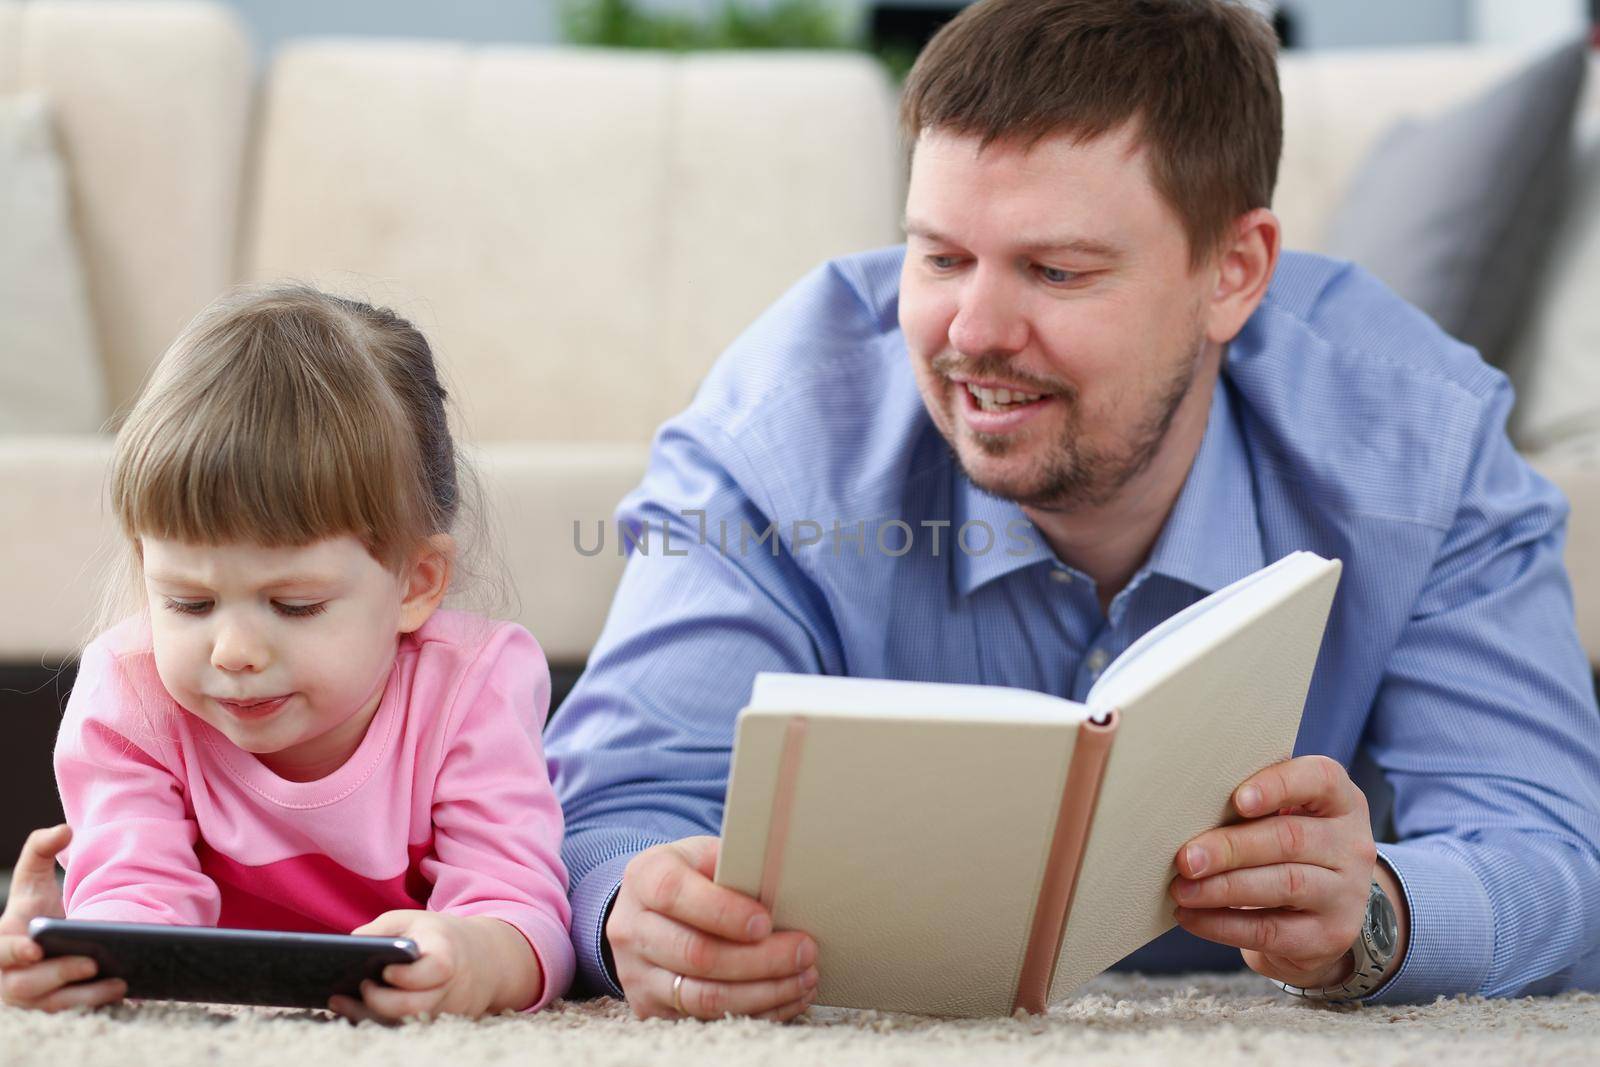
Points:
(1289, 884)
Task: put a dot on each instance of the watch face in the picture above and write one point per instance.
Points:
(1381, 926)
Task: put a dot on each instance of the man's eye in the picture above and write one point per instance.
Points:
(188, 607)
(942, 262)
(300, 611)
(1057, 276)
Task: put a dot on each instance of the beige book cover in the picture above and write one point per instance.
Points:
(932, 840)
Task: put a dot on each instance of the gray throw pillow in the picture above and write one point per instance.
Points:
(51, 378)
(1455, 211)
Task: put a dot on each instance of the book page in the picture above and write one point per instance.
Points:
(821, 694)
(1181, 637)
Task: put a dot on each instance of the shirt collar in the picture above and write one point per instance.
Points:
(1210, 540)
(971, 504)
(1213, 538)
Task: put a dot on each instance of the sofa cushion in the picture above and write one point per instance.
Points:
(151, 105)
(50, 377)
(1556, 363)
(1455, 211)
(578, 231)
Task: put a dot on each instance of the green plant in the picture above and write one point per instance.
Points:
(779, 24)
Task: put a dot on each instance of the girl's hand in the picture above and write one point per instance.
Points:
(469, 966)
(27, 979)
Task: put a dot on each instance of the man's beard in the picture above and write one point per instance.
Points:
(1073, 474)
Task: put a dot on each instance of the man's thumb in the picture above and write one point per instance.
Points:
(701, 853)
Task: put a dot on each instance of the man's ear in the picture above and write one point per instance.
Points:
(1243, 268)
(427, 579)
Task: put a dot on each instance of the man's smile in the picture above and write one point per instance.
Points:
(998, 410)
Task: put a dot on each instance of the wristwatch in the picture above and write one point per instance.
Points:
(1373, 951)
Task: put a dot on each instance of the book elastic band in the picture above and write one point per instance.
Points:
(1078, 799)
(794, 741)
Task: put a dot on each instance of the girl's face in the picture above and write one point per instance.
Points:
(286, 651)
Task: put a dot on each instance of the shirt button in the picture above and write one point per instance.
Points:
(1064, 577)
(1097, 661)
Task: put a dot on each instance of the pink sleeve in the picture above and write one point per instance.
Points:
(132, 857)
(496, 820)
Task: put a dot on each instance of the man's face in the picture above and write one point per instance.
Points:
(1053, 322)
(275, 647)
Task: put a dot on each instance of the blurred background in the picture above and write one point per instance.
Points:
(881, 25)
(581, 203)
(894, 29)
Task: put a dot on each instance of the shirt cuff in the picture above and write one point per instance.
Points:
(591, 903)
(1450, 942)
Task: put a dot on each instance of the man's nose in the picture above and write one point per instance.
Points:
(988, 321)
(238, 648)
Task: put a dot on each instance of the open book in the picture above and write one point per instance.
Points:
(967, 850)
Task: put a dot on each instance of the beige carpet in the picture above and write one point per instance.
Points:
(1119, 1020)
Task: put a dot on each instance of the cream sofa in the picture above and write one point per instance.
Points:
(579, 232)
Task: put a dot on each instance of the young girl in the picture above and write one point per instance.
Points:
(292, 735)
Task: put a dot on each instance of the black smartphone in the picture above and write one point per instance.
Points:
(221, 966)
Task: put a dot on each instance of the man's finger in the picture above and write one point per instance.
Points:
(1274, 839)
(1297, 935)
(1310, 974)
(682, 949)
(699, 852)
(665, 880)
(1315, 784)
(1296, 886)
(789, 1011)
(704, 999)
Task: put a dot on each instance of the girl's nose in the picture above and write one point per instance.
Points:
(237, 648)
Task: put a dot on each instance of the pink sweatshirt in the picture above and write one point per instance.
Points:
(446, 805)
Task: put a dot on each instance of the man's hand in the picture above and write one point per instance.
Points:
(1304, 856)
(27, 979)
(670, 919)
(469, 966)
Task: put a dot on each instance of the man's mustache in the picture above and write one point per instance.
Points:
(998, 367)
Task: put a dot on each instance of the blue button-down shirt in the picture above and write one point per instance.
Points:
(805, 515)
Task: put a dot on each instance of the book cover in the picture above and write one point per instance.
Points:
(909, 827)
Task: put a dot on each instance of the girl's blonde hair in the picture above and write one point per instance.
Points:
(283, 415)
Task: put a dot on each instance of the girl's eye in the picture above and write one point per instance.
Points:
(188, 607)
(300, 611)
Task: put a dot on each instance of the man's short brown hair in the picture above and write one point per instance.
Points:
(1199, 77)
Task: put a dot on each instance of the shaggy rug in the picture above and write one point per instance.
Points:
(1225, 1019)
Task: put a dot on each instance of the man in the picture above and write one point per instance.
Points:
(1091, 348)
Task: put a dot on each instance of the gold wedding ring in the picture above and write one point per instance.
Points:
(677, 994)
